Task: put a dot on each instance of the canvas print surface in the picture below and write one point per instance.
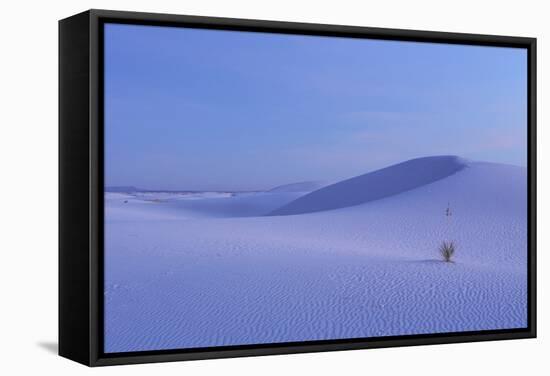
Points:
(266, 188)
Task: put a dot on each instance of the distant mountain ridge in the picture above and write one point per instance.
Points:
(121, 188)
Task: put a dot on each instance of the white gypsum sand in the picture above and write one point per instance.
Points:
(213, 273)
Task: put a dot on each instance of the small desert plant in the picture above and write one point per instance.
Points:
(447, 250)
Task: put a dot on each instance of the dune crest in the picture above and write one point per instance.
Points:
(375, 185)
(304, 186)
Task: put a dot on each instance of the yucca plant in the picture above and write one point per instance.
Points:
(447, 250)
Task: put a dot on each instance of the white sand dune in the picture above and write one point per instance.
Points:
(375, 185)
(366, 270)
(304, 186)
(155, 205)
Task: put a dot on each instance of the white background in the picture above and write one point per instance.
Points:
(28, 169)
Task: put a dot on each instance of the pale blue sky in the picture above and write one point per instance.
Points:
(213, 110)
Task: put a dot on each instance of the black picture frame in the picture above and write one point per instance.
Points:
(81, 186)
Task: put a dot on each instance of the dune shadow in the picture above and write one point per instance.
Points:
(51, 347)
(382, 183)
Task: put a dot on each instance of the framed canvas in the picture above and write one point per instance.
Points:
(235, 187)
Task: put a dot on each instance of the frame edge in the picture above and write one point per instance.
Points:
(74, 264)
